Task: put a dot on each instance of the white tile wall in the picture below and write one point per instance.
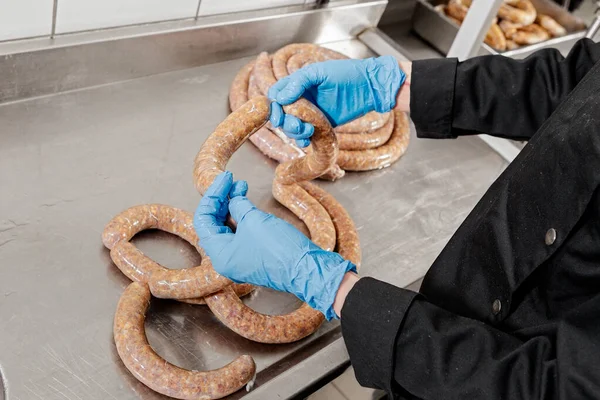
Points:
(78, 15)
(25, 18)
(29, 18)
(210, 7)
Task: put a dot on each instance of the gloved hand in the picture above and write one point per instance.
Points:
(265, 250)
(343, 89)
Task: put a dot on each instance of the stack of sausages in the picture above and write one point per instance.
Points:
(327, 221)
(517, 24)
(372, 142)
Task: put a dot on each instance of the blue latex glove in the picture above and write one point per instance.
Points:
(343, 89)
(265, 250)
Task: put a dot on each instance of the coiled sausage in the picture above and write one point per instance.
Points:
(160, 375)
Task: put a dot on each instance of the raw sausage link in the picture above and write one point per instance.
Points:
(348, 244)
(231, 133)
(153, 216)
(283, 55)
(372, 131)
(309, 210)
(301, 59)
(212, 159)
(267, 142)
(367, 140)
(166, 283)
(240, 289)
(368, 122)
(160, 375)
(262, 328)
(369, 132)
(216, 150)
(382, 156)
(323, 142)
(275, 146)
(238, 91)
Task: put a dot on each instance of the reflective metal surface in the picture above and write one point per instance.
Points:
(408, 42)
(70, 162)
(380, 43)
(47, 66)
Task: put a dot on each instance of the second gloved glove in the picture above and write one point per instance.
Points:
(343, 89)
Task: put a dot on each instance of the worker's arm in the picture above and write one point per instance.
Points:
(401, 343)
(397, 341)
(495, 95)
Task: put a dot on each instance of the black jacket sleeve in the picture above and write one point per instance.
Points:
(495, 95)
(401, 343)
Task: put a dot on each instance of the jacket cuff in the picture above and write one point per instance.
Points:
(432, 97)
(372, 316)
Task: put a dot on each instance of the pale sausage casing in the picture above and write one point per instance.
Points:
(160, 375)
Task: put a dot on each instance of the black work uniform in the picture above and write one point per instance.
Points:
(511, 307)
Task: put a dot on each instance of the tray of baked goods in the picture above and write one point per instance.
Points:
(520, 27)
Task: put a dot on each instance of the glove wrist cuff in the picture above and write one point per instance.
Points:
(386, 78)
(320, 285)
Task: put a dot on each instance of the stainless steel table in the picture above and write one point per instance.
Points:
(70, 162)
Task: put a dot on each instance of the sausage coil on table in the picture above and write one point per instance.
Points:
(188, 285)
(158, 374)
(183, 285)
(373, 131)
(373, 141)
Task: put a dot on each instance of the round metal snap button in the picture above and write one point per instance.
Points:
(497, 307)
(550, 236)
